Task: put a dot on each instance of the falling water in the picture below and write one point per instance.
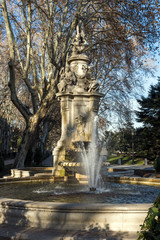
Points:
(92, 160)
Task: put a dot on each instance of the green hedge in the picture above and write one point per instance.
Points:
(150, 230)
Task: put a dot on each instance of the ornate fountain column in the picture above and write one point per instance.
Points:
(79, 98)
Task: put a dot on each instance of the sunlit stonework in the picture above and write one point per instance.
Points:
(79, 97)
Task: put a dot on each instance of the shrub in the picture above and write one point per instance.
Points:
(150, 230)
(157, 164)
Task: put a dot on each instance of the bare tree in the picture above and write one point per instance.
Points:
(39, 37)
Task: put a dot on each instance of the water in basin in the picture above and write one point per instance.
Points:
(74, 193)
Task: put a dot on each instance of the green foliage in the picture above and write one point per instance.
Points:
(144, 140)
(150, 230)
(149, 115)
(149, 112)
(157, 164)
(113, 159)
(120, 141)
(19, 140)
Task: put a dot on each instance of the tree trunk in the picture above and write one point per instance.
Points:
(32, 126)
(44, 136)
(27, 141)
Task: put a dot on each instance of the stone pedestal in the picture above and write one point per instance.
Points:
(78, 112)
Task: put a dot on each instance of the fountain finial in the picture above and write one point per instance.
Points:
(79, 42)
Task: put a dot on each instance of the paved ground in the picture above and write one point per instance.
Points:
(127, 170)
(127, 167)
(19, 233)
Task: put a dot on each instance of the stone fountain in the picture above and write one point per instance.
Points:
(27, 219)
(79, 98)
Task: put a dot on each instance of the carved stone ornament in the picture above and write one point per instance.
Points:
(67, 80)
(79, 43)
(77, 75)
(93, 86)
(80, 122)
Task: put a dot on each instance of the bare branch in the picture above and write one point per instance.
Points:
(9, 31)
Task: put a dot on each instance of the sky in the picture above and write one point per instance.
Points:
(148, 81)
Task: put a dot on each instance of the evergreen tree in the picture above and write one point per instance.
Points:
(149, 115)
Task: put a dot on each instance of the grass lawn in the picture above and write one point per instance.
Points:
(126, 160)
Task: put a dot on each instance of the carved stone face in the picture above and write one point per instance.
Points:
(80, 68)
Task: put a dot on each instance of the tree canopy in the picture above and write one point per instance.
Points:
(149, 110)
(120, 34)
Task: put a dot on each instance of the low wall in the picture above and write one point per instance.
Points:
(134, 180)
(46, 215)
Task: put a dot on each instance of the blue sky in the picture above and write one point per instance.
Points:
(148, 81)
(153, 80)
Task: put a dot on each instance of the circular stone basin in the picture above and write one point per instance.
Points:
(73, 193)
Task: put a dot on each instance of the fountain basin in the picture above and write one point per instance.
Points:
(120, 220)
(124, 218)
